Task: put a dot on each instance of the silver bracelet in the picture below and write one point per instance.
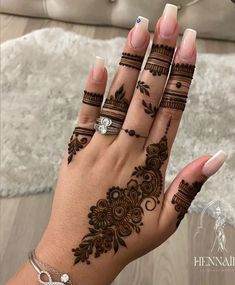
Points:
(35, 262)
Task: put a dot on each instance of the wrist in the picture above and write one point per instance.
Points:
(57, 253)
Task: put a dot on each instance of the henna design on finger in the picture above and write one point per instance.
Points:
(77, 144)
(159, 60)
(176, 91)
(184, 197)
(131, 60)
(93, 99)
(118, 102)
(121, 213)
(149, 109)
(132, 133)
(143, 87)
(116, 106)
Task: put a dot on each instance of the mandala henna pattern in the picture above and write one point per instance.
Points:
(184, 197)
(120, 214)
(75, 143)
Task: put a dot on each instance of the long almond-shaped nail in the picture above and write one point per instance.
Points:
(168, 21)
(188, 44)
(98, 69)
(139, 33)
(214, 163)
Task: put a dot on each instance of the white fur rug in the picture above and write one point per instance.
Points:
(43, 75)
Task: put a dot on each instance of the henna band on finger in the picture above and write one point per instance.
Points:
(116, 106)
(160, 59)
(77, 144)
(184, 197)
(131, 60)
(93, 99)
(132, 133)
(176, 91)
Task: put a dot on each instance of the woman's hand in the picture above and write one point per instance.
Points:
(109, 206)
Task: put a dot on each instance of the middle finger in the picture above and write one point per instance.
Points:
(150, 87)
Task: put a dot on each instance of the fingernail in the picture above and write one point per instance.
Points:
(168, 21)
(98, 69)
(188, 44)
(214, 163)
(139, 34)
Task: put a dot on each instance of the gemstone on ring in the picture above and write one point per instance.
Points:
(102, 129)
(106, 121)
(64, 278)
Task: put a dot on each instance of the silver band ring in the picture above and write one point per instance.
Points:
(106, 126)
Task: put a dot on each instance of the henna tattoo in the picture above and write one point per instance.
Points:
(120, 214)
(144, 88)
(149, 109)
(132, 133)
(175, 94)
(77, 144)
(93, 99)
(159, 60)
(131, 60)
(119, 117)
(184, 197)
(117, 102)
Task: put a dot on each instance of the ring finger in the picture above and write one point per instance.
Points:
(122, 88)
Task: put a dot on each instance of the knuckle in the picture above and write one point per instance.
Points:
(170, 113)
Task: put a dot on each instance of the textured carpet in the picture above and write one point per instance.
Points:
(43, 75)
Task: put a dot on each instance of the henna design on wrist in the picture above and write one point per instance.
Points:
(77, 144)
(184, 197)
(131, 60)
(93, 99)
(176, 91)
(149, 109)
(160, 59)
(132, 133)
(143, 87)
(120, 214)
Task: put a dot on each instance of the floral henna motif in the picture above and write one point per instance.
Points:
(75, 143)
(184, 197)
(149, 109)
(143, 87)
(120, 214)
(116, 102)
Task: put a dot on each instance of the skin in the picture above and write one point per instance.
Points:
(84, 181)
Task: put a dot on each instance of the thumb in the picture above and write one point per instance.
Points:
(184, 188)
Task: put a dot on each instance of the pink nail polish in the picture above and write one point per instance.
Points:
(168, 21)
(188, 44)
(98, 69)
(139, 33)
(214, 163)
